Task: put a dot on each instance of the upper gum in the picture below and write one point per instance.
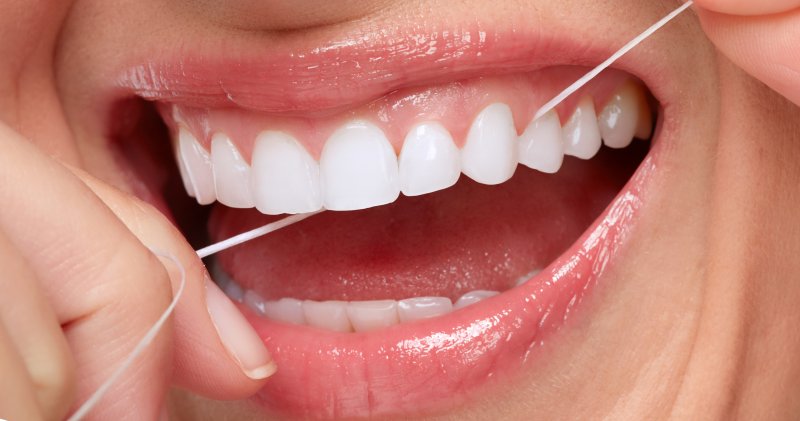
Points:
(396, 113)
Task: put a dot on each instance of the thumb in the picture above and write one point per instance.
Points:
(216, 352)
(764, 45)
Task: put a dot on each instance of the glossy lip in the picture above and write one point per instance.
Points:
(430, 365)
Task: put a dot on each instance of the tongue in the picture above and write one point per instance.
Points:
(469, 237)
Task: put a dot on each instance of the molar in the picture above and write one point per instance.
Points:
(489, 155)
(473, 297)
(285, 177)
(581, 133)
(358, 168)
(231, 173)
(429, 161)
(541, 146)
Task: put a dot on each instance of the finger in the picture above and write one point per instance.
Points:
(17, 395)
(198, 335)
(748, 7)
(36, 333)
(764, 46)
(106, 285)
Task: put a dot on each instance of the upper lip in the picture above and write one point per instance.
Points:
(297, 78)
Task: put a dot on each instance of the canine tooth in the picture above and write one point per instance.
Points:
(620, 117)
(541, 145)
(429, 160)
(255, 302)
(358, 168)
(330, 315)
(371, 315)
(473, 297)
(198, 166)
(581, 133)
(285, 176)
(418, 308)
(231, 173)
(288, 310)
(489, 155)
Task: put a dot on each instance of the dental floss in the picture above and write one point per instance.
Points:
(252, 234)
(98, 394)
(285, 222)
(614, 57)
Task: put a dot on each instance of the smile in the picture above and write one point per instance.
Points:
(460, 235)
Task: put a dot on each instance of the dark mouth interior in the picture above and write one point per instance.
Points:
(469, 237)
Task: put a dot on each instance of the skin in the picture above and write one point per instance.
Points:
(700, 321)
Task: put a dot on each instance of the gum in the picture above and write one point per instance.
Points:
(454, 104)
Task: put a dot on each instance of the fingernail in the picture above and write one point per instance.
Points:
(236, 334)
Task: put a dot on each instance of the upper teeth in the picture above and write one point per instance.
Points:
(358, 168)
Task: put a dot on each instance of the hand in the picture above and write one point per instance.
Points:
(761, 36)
(79, 289)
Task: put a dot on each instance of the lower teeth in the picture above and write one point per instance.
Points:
(350, 316)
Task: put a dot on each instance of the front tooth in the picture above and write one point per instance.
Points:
(581, 133)
(541, 146)
(372, 315)
(473, 297)
(187, 182)
(429, 160)
(288, 310)
(418, 308)
(285, 176)
(358, 168)
(330, 315)
(231, 173)
(620, 117)
(489, 155)
(198, 166)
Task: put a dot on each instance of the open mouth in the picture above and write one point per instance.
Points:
(458, 234)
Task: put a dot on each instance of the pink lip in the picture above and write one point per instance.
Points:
(415, 368)
(293, 77)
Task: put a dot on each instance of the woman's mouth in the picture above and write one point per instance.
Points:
(460, 234)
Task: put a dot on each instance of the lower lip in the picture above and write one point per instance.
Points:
(430, 365)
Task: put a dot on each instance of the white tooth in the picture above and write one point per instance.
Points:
(231, 173)
(423, 308)
(187, 181)
(255, 302)
(198, 166)
(473, 297)
(371, 315)
(620, 117)
(489, 155)
(234, 291)
(429, 160)
(541, 146)
(581, 133)
(285, 176)
(288, 310)
(358, 168)
(330, 315)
